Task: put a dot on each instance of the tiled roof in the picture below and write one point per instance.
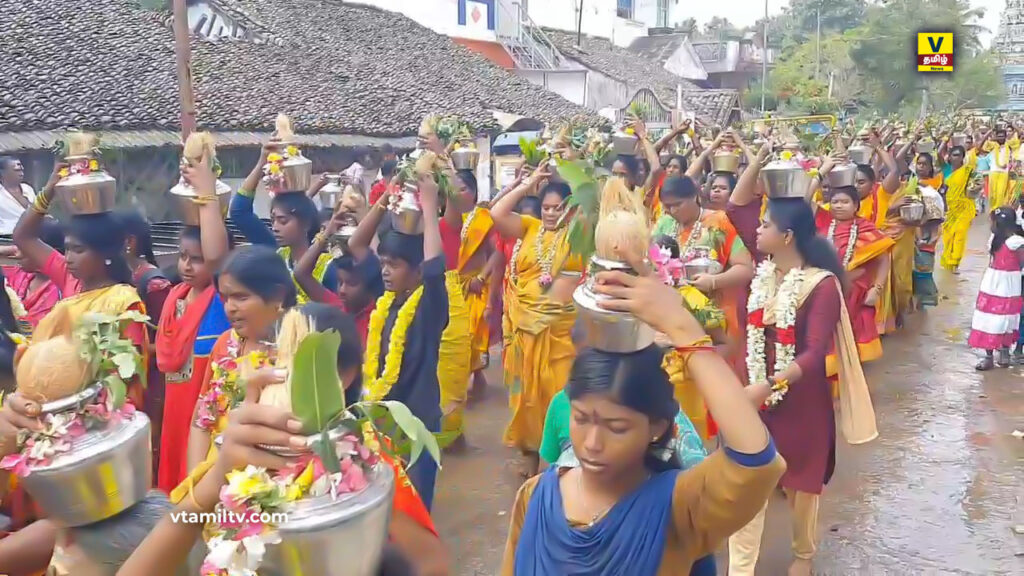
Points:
(637, 72)
(334, 67)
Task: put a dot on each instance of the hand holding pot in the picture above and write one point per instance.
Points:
(16, 414)
(200, 177)
(650, 300)
(252, 424)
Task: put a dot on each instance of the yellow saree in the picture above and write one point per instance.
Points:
(453, 365)
(960, 211)
(1000, 190)
(318, 271)
(538, 343)
(690, 400)
(899, 290)
(476, 230)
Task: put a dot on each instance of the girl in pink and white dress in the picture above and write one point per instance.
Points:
(996, 321)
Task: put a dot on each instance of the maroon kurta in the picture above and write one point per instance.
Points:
(803, 425)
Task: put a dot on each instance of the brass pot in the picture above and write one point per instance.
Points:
(725, 161)
(185, 196)
(93, 193)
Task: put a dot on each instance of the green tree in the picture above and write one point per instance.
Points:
(720, 29)
(885, 45)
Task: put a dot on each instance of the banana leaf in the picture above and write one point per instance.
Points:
(583, 206)
(316, 394)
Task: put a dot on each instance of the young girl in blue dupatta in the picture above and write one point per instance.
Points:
(628, 508)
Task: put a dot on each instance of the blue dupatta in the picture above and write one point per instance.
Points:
(630, 539)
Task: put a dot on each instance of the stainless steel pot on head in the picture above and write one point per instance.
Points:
(107, 471)
(185, 196)
(604, 329)
(785, 179)
(407, 217)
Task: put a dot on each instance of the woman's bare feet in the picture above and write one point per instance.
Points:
(800, 567)
(530, 465)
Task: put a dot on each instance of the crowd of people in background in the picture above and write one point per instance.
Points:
(644, 462)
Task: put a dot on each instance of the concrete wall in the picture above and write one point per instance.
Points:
(599, 17)
(1013, 79)
(569, 84)
(442, 16)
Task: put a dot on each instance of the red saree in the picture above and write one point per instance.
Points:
(869, 245)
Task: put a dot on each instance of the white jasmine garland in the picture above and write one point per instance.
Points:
(783, 299)
(850, 245)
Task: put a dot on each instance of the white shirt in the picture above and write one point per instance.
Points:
(10, 209)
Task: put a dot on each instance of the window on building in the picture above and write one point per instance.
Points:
(625, 9)
(662, 14)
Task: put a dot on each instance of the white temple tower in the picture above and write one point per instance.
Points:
(1009, 44)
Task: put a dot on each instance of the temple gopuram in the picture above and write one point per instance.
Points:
(1009, 43)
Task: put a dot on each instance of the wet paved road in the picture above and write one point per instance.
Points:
(939, 492)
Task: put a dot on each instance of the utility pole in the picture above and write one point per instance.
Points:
(579, 25)
(817, 47)
(764, 57)
(182, 58)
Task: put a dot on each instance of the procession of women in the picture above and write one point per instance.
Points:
(680, 320)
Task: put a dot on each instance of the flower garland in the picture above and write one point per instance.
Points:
(691, 241)
(851, 243)
(378, 383)
(466, 224)
(83, 167)
(227, 387)
(238, 543)
(273, 177)
(60, 430)
(545, 259)
(783, 299)
(513, 271)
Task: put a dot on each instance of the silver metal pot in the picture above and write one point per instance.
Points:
(331, 193)
(701, 263)
(624, 144)
(466, 157)
(93, 193)
(407, 218)
(925, 147)
(339, 242)
(184, 195)
(785, 179)
(958, 140)
(605, 329)
(107, 471)
(912, 212)
(297, 173)
(860, 153)
(336, 537)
